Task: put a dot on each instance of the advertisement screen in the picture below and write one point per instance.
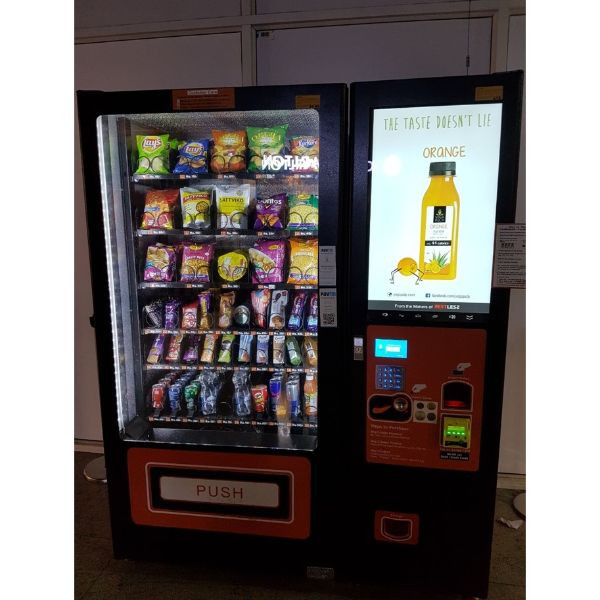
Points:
(434, 179)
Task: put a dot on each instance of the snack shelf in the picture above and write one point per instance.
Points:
(251, 369)
(142, 177)
(210, 234)
(154, 331)
(168, 418)
(145, 285)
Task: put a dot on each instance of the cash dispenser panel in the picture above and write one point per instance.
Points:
(424, 396)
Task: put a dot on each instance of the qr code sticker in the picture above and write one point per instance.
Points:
(328, 319)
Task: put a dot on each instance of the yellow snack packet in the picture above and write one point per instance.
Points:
(304, 262)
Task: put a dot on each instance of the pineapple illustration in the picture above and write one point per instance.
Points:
(437, 263)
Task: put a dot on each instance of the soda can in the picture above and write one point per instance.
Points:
(158, 395)
(260, 396)
(292, 390)
(275, 393)
(175, 393)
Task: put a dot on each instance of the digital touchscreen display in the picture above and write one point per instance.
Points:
(433, 192)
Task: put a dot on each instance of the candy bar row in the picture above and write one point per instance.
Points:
(257, 149)
(282, 397)
(233, 203)
(266, 309)
(265, 260)
(191, 349)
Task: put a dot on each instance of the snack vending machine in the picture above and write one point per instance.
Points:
(434, 170)
(213, 219)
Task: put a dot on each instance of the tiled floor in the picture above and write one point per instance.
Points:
(98, 576)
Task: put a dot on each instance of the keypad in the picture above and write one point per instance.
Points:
(389, 377)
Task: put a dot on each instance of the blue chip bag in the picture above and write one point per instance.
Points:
(192, 158)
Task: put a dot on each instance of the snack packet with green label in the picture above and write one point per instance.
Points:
(153, 154)
(303, 211)
(265, 141)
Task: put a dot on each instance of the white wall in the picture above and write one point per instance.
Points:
(512, 440)
(192, 61)
(103, 13)
(372, 52)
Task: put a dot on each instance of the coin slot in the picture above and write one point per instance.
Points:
(457, 395)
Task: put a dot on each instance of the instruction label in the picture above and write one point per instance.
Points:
(328, 307)
(509, 259)
(327, 265)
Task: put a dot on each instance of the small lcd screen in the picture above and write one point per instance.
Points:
(391, 348)
(434, 182)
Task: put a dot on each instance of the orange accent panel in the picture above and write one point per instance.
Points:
(404, 427)
(143, 512)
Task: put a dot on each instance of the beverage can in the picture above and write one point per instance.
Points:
(275, 393)
(292, 389)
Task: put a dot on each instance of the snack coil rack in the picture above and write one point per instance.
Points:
(177, 234)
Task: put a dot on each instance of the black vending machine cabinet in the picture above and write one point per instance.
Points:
(434, 170)
(208, 211)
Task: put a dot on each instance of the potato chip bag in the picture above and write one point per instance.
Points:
(233, 202)
(270, 211)
(192, 158)
(153, 154)
(303, 211)
(304, 262)
(262, 142)
(158, 209)
(195, 263)
(267, 258)
(232, 266)
(228, 151)
(306, 148)
(195, 207)
(160, 263)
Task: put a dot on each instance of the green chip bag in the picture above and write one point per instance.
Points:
(153, 154)
(264, 142)
(303, 211)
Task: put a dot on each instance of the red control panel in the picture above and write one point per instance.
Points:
(424, 396)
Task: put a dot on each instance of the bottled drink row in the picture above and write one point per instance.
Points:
(229, 348)
(263, 309)
(280, 398)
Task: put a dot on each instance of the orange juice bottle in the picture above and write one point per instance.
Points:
(310, 395)
(439, 223)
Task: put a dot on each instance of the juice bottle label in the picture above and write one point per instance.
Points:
(310, 403)
(438, 239)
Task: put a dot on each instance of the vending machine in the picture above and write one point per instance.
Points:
(213, 219)
(434, 170)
